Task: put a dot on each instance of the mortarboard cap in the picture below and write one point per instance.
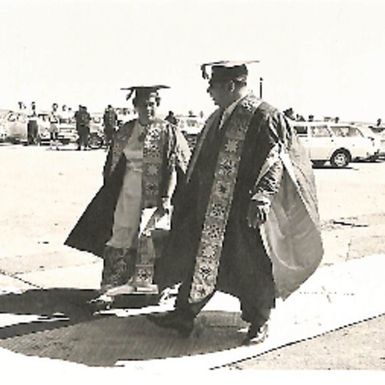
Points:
(143, 91)
(226, 70)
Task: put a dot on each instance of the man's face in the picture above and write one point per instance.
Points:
(146, 108)
(219, 92)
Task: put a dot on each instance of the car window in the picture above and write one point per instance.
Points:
(353, 131)
(319, 131)
(301, 130)
(346, 131)
(338, 131)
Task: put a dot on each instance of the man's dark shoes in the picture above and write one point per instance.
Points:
(175, 320)
(103, 302)
(257, 333)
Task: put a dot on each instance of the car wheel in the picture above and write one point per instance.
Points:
(340, 159)
(95, 141)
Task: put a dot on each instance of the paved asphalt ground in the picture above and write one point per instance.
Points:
(43, 192)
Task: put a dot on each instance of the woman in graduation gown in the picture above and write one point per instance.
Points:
(145, 160)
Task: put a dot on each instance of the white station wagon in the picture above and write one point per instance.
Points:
(324, 145)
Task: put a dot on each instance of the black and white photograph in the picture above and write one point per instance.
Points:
(192, 188)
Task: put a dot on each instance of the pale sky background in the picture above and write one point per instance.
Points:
(321, 57)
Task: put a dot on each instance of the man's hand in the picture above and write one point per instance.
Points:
(257, 213)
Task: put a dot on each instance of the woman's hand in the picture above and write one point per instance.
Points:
(257, 213)
(165, 207)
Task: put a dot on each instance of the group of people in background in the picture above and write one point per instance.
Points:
(238, 215)
(82, 123)
(53, 129)
(83, 119)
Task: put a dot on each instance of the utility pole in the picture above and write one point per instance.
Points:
(260, 88)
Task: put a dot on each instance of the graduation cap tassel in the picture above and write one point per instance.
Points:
(129, 94)
(205, 75)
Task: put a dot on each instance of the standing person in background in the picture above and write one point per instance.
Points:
(246, 221)
(32, 129)
(77, 117)
(82, 118)
(32, 125)
(65, 114)
(86, 120)
(33, 109)
(109, 121)
(143, 165)
(54, 130)
(171, 118)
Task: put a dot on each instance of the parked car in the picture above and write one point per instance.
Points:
(3, 131)
(190, 126)
(378, 135)
(67, 131)
(382, 141)
(15, 126)
(124, 115)
(323, 145)
(43, 128)
(360, 138)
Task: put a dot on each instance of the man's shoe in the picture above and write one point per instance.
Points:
(256, 333)
(173, 320)
(103, 302)
(169, 294)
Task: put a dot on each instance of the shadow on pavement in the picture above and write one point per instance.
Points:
(92, 340)
(58, 308)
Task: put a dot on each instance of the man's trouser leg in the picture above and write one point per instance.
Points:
(108, 133)
(29, 133)
(79, 141)
(255, 284)
(35, 133)
(86, 135)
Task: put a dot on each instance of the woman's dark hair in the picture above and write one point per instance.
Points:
(139, 97)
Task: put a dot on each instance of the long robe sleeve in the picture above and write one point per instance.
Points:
(269, 184)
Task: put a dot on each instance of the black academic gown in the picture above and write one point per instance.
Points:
(245, 269)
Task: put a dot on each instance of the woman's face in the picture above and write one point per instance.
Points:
(146, 109)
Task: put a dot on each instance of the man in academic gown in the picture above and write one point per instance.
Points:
(246, 222)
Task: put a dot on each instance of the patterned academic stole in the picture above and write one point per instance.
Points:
(218, 208)
(152, 165)
(120, 143)
(151, 178)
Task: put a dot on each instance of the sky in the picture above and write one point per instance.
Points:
(325, 58)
